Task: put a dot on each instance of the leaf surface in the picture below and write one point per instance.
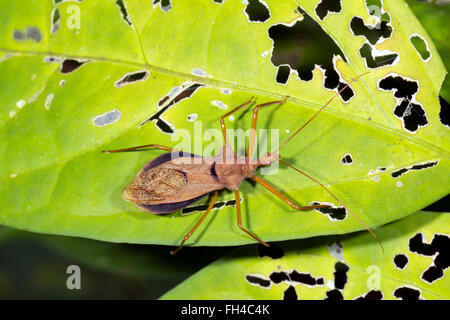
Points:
(54, 123)
(347, 269)
(433, 16)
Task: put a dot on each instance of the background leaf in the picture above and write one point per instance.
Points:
(369, 270)
(146, 262)
(55, 180)
(35, 266)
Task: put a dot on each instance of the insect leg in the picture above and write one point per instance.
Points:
(251, 143)
(238, 209)
(156, 146)
(272, 189)
(326, 189)
(222, 119)
(211, 204)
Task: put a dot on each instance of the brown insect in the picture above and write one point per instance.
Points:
(177, 179)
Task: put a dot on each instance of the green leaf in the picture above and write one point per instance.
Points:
(55, 180)
(369, 269)
(434, 17)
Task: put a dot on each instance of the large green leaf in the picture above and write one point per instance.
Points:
(233, 277)
(55, 180)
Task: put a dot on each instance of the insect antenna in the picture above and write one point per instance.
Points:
(320, 110)
(348, 210)
(311, 178)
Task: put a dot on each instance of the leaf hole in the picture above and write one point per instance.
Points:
(407, 293)
(70, 65)
(375, 9)
(30, 33)
(400, 261)
(177, 94)
(107, 118)
(372, 295)
(334, 294)
(409, 111)
(51, 59)
(124, 12)
(131, 77)
(258, 280)
(199, 72)
(305, 38)
(340, 275)
(55, 17)
(432, 274)
(347, 159)
(334, 213)
(421, 46)
(19, 35)
(420, 166)
(192, 117)
(283, 74)
(165, 5)
(203, 207)
(336, 250)
(373, 34)
(257, 11)
(444, 113)
(306, 278)
(377, 61)
(326, 6)
(438, 248)
(290, 293)
(278, 276)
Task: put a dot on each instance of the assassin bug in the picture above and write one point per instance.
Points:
(169, 182)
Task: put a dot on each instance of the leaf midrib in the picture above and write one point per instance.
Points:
(424, 144)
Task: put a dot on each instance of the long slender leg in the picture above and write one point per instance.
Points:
(326, 189)
(238, 209)
(272, 189)
(156, 146)
(211, 204)
(222, 119)
(251, 143)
